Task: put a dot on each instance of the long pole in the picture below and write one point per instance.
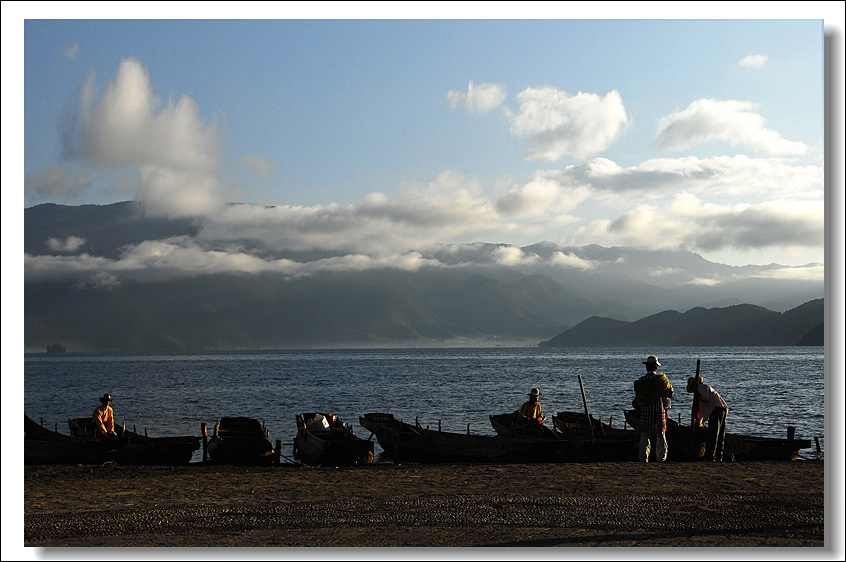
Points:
(694, 409)
(587, 415)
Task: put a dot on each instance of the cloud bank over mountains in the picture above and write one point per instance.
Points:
(173, 159)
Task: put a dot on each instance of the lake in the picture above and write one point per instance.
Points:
(766, 388)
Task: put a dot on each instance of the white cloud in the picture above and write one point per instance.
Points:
(571, 261)
(69, 245)
(179, 193)
(449, 208)
(176, 153)
(559, 125)
(183, 257)
(480, 98)
(736, 123)
(57, 182)
(260, 167)
(753, 61)
(689, 223)
(71, 51)
(811, 272)
(513, 256)
(126, 127)
(542, 195)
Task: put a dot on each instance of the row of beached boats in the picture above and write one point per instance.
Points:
(326, 440)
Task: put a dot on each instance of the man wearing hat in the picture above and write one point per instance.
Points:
(711, 406)
(653, 392)
(531, 410)
(103, 417)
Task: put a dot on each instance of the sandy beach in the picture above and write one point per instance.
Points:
(733, 504)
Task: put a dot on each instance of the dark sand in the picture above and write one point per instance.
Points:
(733, 504)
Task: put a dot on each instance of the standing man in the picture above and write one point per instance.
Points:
(653, 393)
(104, 418)
(711, 406)
(531, 411)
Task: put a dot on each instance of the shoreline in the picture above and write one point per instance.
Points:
(626, 504)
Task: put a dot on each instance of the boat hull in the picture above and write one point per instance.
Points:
(241, 441)
(319, 444)
(45, 446)
(412, 443)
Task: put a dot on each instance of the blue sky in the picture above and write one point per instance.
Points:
(381, 137)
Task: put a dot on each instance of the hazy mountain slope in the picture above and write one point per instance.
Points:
(467, 294)
(735, 325)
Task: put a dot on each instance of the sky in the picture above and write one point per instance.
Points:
(381, 137)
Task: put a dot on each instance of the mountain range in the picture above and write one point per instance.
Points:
(462, 295)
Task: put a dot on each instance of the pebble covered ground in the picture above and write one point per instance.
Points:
(584, 505)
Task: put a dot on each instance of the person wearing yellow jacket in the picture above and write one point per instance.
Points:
(104, 417)
(531, 410)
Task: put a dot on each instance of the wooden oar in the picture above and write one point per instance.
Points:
(694, 408)
(590, 424)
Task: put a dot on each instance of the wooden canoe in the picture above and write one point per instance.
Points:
(143, 449)
(413, 443)
(46, 446)
(241, 441)
(325, 439)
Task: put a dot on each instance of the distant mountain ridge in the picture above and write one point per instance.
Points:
(469, 297)
(739, 325)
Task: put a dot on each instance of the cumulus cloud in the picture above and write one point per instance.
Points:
(176, 153)
(753, 61)
(480, 98)
(559, 124)
(569, 260)
(448, 208)
(57, 182)
(732, 176)
(512, 256)
(184, 257)
(543, 194)
(71, 51)
(736, 123)
(260, 167)
(99, 281)
(695, 225)
(69, 245)
(179, 192)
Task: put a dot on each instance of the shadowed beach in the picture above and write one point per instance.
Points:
(733, 504)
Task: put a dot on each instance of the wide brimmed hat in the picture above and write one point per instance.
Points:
(651, 360)
(106, 398)
(692, 382)
(535, 392)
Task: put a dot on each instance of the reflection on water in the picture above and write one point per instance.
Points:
(767, 388)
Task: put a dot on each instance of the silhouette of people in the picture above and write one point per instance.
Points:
(531, 410)
(653, 393)
(711, 406)
(104, 417)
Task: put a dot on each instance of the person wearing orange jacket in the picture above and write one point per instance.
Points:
(531, 410)
(104, 417)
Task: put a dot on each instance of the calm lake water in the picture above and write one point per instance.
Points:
(767, 388)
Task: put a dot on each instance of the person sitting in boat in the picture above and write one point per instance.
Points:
(104, 417)
(653, 393)
(711, 406)
(531, 411)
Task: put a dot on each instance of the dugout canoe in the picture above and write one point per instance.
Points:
(685, 444)
(241, 441)
(326, 440)
(143, 449)
(405, 442)
(46, 446)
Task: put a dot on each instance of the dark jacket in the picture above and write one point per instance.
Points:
(650, 388)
